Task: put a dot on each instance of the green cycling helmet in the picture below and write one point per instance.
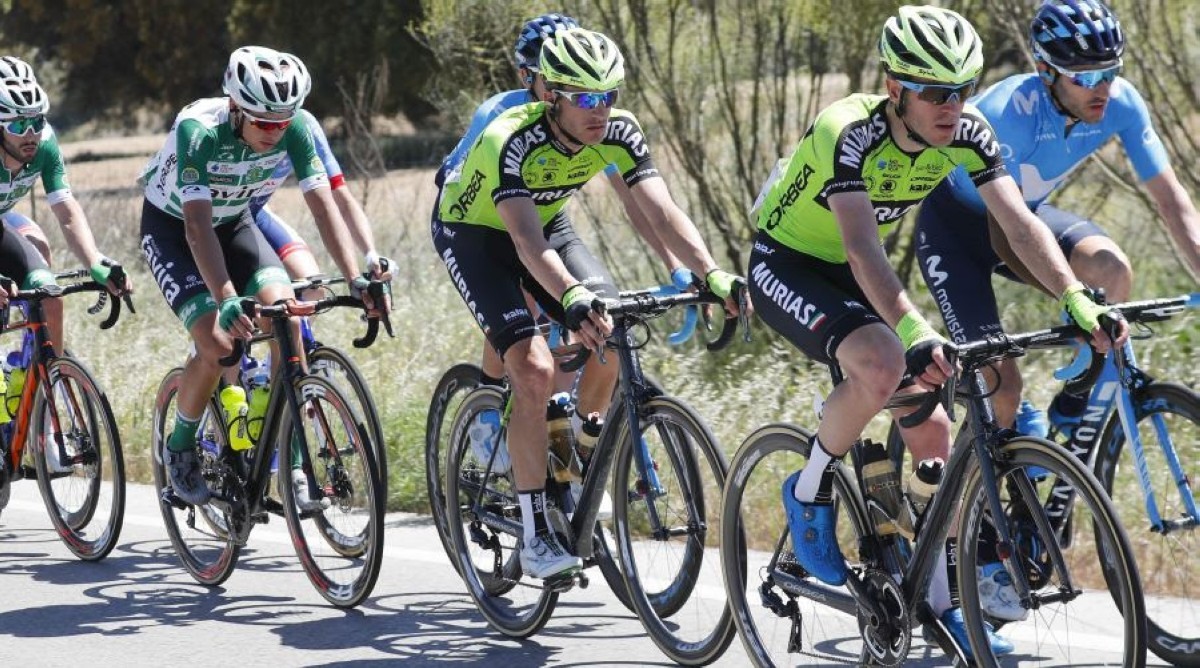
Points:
(582, 58)
(932, 44)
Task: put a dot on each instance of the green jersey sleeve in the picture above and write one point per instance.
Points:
(54, 171)
(194, 146)
(310, 171)
(978, 147)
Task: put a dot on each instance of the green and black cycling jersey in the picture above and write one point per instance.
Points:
(518, 156)
(849, 148)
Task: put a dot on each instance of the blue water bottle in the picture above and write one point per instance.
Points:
(1032, 422)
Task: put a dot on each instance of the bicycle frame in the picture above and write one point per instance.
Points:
(1112, 390)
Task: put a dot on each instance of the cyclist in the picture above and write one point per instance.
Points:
(283, 238)
(527, 51)
(31, 152)
(497, 229)
(818, 274)
(219, 154)
(1049, 122)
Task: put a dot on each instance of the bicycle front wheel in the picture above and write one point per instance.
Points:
(1167, 416)
(339, 535)
(80, 468)
(458, 380)
(200, 535)
(1082, 614)
(667, 484)
(778, 623)
(484, 524)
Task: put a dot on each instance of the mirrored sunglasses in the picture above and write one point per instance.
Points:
(1089, 78)
(589, 99)
(21, 126)
(267, 125)
(940, 94)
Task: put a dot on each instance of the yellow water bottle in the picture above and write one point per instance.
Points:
(233, 400)
(12, 394)
(259, 398)
(5, 418)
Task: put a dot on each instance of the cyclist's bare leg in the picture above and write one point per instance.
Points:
(202, 369)
(269, 294)
(596, 387)
(1098, 261)
(929, 439)
(34, 235)
(52, 309)
(872, 362)
(530, 371)
(1008, 394)
(493, 366)
(300, 264)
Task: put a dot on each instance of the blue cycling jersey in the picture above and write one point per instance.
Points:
(485, 114)
(284, 168)
(1038, 150)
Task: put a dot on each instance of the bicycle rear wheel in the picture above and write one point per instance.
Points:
(339, 546)
(83, 481)
(1075, 619)
(666, 514)
(778, 624)
(458, 380)
(336, 367)
(484, 524)
(200, 535)
(1164, 413)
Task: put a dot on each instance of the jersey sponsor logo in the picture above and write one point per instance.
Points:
(544, 196)
(518, 147)
(160, 269)
(625, 132)
(920, 187)
(1025, 103)
(189, 192)
(189, 175)
(936, 275)
(886, 214)
(787, 299)
(887, 187)
(977, 132)
(857, 139)
(467, 198)
(316, 164)
(239, 193)
(578, 174)
(509, 316)
(760, 247)
(226, 156)
(789, 196)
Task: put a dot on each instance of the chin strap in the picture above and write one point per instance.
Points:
(900, 115)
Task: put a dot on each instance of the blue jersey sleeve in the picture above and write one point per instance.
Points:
(321, 143)
(484, 114)
(1142, 144)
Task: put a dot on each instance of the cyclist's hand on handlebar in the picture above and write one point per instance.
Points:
(1088, 314)
(376, 302)
(584, 316)
(6, 287)
(110, 274)
(728, 287)
(379, 267)
(232, 320)
(924, 357)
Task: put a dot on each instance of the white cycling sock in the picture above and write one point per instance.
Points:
(939, 586)
(810, 478)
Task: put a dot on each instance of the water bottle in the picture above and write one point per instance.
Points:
(258, 381)
(233, 400)
(482, 435)
(882, 484)
(5, 418)
(1032, 422)
(16, 383)
(564, 465)
(922, 485)
(589, 435)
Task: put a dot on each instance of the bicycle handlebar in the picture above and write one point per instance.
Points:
(53, 291)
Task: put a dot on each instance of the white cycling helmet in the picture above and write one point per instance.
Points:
(20, 94)
(262, 81)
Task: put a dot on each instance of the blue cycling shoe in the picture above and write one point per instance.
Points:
(952, 620)
(814, 536)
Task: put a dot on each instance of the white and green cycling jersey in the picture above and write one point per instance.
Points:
(204, 160)
(47, 164)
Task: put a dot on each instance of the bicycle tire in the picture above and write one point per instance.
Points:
(454, 384)
(343, 369)
(209, 556)
(657, 531)
(1172, 556)
(83, 420)
(755, 541)
(340, 547)
(1052, 639)
(487, 558)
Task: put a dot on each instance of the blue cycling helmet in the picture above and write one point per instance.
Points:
(534, 32)
(1076, 33)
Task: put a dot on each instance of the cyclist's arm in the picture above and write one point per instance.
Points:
(206, 250)
(860, 236)
(677, 231)
(1178, 212)
(76, 231)
(640, 222)
(333, 230)
(525, 227)
(1028, 237)
(356, 219)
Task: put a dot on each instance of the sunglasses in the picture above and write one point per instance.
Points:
(589, 99)
(22, 126)
(1089, 78)
(939, 94)
(267, 125)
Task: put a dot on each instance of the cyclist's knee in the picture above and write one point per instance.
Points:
(530, 368)
(1102, 263)
(210, 344)
(872, 357)
(931, 438)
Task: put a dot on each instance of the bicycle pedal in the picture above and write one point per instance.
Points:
(562, 582)
(936, 633)
(261, 517)
(272, 506)
(168, 498)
